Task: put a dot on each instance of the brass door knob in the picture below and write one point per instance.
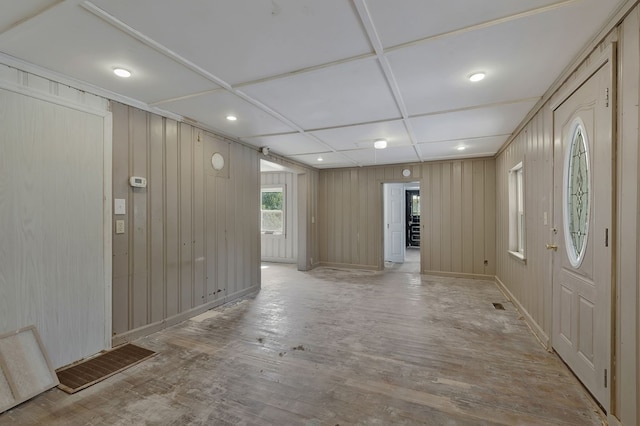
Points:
(553, 247)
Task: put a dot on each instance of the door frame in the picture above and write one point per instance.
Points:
(607, 55)
(381, 207)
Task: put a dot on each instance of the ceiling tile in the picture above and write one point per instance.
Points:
(521, 59)
(15, 12)
(330, 160)
(390, 155)
(70, 40)
(212, 109)
(309, 65)
(417, 19)
(363, 136)
(353, 92)
(473, 148)
(490, 121)
(245, 40)
(288, 144)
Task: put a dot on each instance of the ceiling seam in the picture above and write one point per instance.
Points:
(358, 58)
(472, 138)
(148, 41)
(185, 97)
(37, 13)
(476, 107)
(374, 39)
(486, 24)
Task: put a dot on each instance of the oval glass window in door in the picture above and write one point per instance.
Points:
(577, 194)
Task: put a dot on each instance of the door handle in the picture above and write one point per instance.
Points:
(553, 247)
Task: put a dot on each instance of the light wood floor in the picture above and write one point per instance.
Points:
(411, 262)
(333, 347)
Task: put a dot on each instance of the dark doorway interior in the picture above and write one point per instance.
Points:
(413, 217)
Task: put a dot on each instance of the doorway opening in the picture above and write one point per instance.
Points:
(278, 215)
(402, 225)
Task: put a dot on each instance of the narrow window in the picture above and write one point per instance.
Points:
(577, 195)
(517, 236)
(272, 210)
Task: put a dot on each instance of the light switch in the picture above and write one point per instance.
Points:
(544, 218)
(119, 206)
(119, 226)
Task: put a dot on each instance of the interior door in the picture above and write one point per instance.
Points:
(394, 242)
(583, 229)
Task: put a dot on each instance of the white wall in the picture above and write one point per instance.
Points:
(55, 209)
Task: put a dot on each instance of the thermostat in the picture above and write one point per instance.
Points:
(138, 182)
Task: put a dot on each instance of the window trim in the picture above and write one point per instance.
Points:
(517, 213)
(275, 188)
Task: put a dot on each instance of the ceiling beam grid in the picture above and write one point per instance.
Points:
(148, 41)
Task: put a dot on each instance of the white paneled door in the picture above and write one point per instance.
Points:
(394, 223)
(583, 228)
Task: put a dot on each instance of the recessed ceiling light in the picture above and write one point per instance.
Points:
(461, 148)
(121, 72)
(380, 144)
(232, 117)
(320, 159)
(477, 76)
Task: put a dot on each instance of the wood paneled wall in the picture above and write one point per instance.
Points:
(192, 236)
(308, 233)
(55, 262)
(283, 248)
(530, 283)
(457, 201)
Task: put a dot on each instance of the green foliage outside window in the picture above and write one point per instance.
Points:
(272, 210)
(271, 200)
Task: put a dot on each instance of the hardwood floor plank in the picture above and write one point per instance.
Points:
(336, 347)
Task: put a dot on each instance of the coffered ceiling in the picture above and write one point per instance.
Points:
(319, 79)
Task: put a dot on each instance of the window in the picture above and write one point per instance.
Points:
(272, 210)
(415, 205)
(577, 194)
(517, 238)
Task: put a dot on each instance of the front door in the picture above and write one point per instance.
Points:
(583, 231)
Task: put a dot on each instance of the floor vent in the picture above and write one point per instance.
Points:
(89, 372)
(498, 306)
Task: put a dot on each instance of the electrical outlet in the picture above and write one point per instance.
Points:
(119, 226)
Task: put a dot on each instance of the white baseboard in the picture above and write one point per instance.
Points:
(542, 337)
(460, 275)
(145, 330)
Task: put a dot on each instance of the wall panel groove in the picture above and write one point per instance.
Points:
(350, 215)
(189, 230)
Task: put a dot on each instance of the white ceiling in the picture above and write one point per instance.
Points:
(319, 78)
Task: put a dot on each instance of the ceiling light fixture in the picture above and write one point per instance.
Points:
(121, 72)
(232, 117)
(320, 159)
(380, 143)
(461, 148)
(477, 76)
